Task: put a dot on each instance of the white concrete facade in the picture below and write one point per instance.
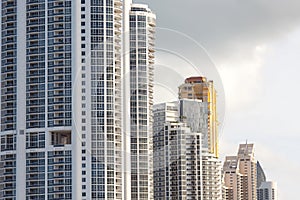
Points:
(65, 100)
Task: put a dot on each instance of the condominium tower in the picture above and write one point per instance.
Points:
(65, 95)
(177, 156)
(183, 166)
(142, 23)
(202, 89)
(239, 175)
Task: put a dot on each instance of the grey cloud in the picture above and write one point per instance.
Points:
(226, 26)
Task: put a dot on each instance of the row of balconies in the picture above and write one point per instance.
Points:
(9, 97)
(35, 183)
(35, 36)
(38, 79)
(36, 65)
(37, 102)
(35, 176)
(37, 57)
(35, 29)
(9, 61)
(35, 124)
(59, 19)
(58, 4)
(57, 41)
(54, 123)
(8, 112)
(35, 117)
(6, 10)
(35, 169)
(8, 126)
(35, 72)
(59, 26)
(59, 77)
(9, 17)
(9, 25)
(35, 14)
(34, 22)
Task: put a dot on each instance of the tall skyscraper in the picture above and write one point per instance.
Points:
(142, 24)
(166, 112)
(267, 191)
(65, 84)
(195, 112)
(239, 175)
(188, 171)
(248, 168)
(202, 89)
(231, 179)
(177, 156)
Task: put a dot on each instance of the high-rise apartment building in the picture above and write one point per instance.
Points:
(202, 89)
(65, 99)
(232, 179)
(177, 156)
(142, 29)
(195, 112)
(239, 175)
(166, 112)
(248, 168)
(184, 123)
(267, 191)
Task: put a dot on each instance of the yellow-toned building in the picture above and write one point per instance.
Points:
(202, 89)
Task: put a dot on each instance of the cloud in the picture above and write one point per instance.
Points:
(285, 175)
(242, 78)
(241, 37)
(224, 26)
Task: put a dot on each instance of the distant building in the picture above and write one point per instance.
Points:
(177, 155)
(183, 166)
(232, 179)
(211, 176)
(202, 89)
(248, 168)
(267, 191)
(166, 112)
(261, 177)
(239, 175)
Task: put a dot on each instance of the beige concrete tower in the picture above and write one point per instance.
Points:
(239, 175)
(247, 167)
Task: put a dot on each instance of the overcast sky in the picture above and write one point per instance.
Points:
(252, 50)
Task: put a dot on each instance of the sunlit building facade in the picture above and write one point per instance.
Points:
(202, 89)
(240, 174)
